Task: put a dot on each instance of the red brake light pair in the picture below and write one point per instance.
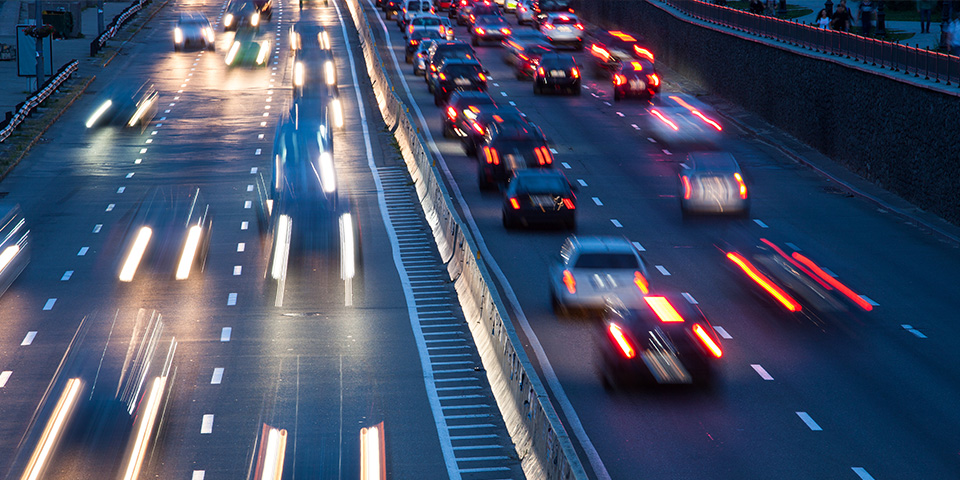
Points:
(491, 155)
(543, 155)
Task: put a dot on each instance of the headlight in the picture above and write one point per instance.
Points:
(141, 109)
(177, 35)
(298, 74)
(264, 51)
(329, 73)
(255, 19)
(209, 33)
(337, 112)
(232, 53)
(327, 175)
(228, 20)
(98, 113)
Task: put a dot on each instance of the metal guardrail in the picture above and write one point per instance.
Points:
(918, 62)
(542, 442)
(24, 109)
(111, 31)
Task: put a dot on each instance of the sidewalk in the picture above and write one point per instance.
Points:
(921, 40)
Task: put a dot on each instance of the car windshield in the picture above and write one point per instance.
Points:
(541, 184)
(607, 260)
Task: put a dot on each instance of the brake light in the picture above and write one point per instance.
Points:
(643, 52)
(506, 31)
(653, 79)
(619, 79)
(579, 26)
(599, 52)
(481, 31)
(743, 186)
(664, 310)
(621, 340)
(491, 155)
(410, 29)
(783, 297)
(833, 281)
(540, 71)
(414, 42)
(622, 36)
(452, 113)
(636, 66)
(478, 128)
(686, 186)
(707, 340)
(665, 120)
(569, 204)
(443, 76)
(569, 281)
(548, 26)
(539, 154)
(515, 204)
(576, 72)
(709, 121)
(641, 282)
(433, 67)
(482, 77)
(524, 57)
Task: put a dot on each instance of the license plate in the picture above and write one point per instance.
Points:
(542, 201)
(714, 188)
(558, 73)
(462, 81)
(637, 84)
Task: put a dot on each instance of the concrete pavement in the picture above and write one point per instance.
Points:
(921, 40)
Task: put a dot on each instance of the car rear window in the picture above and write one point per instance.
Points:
(427, 22)
(607, 260)
(564, 20)
(462, 70)
(542, 183)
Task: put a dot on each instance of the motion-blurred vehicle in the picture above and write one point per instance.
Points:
(448, 31)
(591, 271)
(611, 48)
(463, 11)
(527, 61)
(457, 74)
(557, 72)
(681, 121)
(412, 8)
(391, 8)
(712, 182)
(474, 126)
(793, 282)
(265, 7)
(508, 148)
(424, 22)
(193, 30)
(14, 244)
(538, 197)
(420, 56)
(126, 105)
(462, 106)
(657, 341)
(306, 35)
(637, 78)
(170, 232)
(444, 5)
(563, 29)
(247, 51)
(314, 74)
(482, 9)
(489, 28)
(439, 52)
(543, 8)
(414, 40)
(524, 12)
(241, 14)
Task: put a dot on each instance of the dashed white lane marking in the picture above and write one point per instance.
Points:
(565, 165)
(27, 340)
(130, 175)
(793, 246)
(247, 204)
(121, 189)
(4, 376)
(260, 137)
(138, 161)
(553, 150)
(155, 132)
(266, 114)
(651, 140)
(504, 94)
(722, 332)
(690, 299)
(862, 473)
(761, 371)
(207, 425)
(496, 84)
(606, 103)
(149, 140)
(244, 225)
(168, 110)
(232, 299)
(257, 152)
(253, 170)
(869, 300)
(241, 246)
(249, 188)
(809, 421)
(616, 223)
(758, 222)
(635, 126)
(237, 269)
(581, 182)
(619, 114)
(83, 251)
(914, 331)
(665, 151)
(97, 227)
(263, 124)
(225, 334)
(663, 270)
(217, 376)
(639, 247)
(66, 275)
(49, 304)
(143, 150)
(512, 103)
(110, 207)
(597, 201)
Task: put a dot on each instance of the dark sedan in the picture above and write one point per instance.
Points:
(508, 149)
(489, 28)
(537, 197)
(636, 78)
(462, 107)
(557, 72)
(456, 74)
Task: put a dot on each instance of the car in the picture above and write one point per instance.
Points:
(128, 106)
(542, 8)
(441, 51)
(483, 9)
(414, 40)
(241, 14)
(557, 72)
(14, 244)
(247, 51)
(391, 8)
(480, 120)
(563, 29)
(463, 106)
(637, 78)
(537, 197)
(508, 148)
(590, 271)
(524, 12)
(308, 36)
(611, 48)
(443, 5)
(420, 56)
(712, 182)
(458, 74)
(487, 28)
(193, 30)
(527, 61)
(661, 341)
(681, 121)
(412, 8)
(463, 11)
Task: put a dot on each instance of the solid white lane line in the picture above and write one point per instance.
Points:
(207, 425)
(809, 421)
(244, 225)
(565, 165)
(49, 304)
(616, 223)
(241, 246)
(4, 376)
(862, 473)
(225, 334)
(83, 251)
(137, 161)
(27, 340)
(639, 247)
(581, 182)
(758, 222)
(232, 299)
(722, 332)
(217, 376)
(237, 269)
(761, 371)
(663, 270)
(597, 201)
(66, 275)
(690, 299)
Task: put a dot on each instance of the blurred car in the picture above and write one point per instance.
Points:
(14, 244)
(424, 22)
(475, 124)
(193, 30)
(241, 14)
(463, 11)
(391, 8)
(527, 61)
(170, 231)
(420, 56)
(305, 35)
(712, 182)
(443, 5)
(461, 107)
(127, 105)
(482, 9)
(440, 52)
(457, 74)
(488, 28)
(247, 51)
(543, 8)
(314, 74)
(557, 72)
(508, 148)
(536, 197)
(414, 40)
(448, 31)
(657, 341)
(563, 29)
(611, 48)
(412, 8)
(682, 121)
(590, 271)
(637, 78)
(524, 12)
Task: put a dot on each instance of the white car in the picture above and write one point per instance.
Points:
(593, 271)
(563, 29)
(524, 12)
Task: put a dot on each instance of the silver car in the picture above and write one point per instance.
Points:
(712, 182)
(563, 29)
(593, 271)
(524, 12)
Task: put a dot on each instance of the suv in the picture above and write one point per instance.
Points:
(458, 74)
(508, 148)
(539, 197)
(557, 72)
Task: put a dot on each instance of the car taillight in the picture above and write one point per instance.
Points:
(570, 282)
(653, 79)
(443, 76)
(656, 113)
(482, 77)
(643, 52)
(619, 79)
(452, 113)
(543, 155)
(599, 52)
(833, 281)
(569, 204)
(524, 57)
(491, 155)
(743, 186)
(414, 42)
(548, 26)
(685, 180)
(707, 340)
(664, 310)
(506, 31)
(515, 203)
(760, 279)
(540, 71)
(478, 128)
(641, 282)
(621, 340)
(575, 73)
(579, 26)
(481, 31)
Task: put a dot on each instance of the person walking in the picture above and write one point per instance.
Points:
(823, 20)
(842, 18)
(865, 15)
(953, 37)
(925, 7)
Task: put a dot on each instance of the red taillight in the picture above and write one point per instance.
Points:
(539, 154)
(579, 26)
(543, 155)
(599, 52)
(783, 297)
(641, 282)
(452, 113)
(443, 76)
(833, 281)
(478, 128)
(707, 120)
(643, 52)
(576, 72)
(491, 155)
(515, 203)
(506, 31)
(656, 113)
(524, 57)
(621, 340)
(685, 180)
(570, 282)
(707, 340)
(743, 186)
(548, 26)
(664, 310)
(481, 31)
(540, 71)
(653, 79)
(433, 67)
(619, 79)
(569, 204)
(482, 77)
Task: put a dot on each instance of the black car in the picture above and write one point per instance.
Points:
(441, 51)
(557, 72)
(507, 149)
(474, 129)
(241, 14)
(611, 48)
(539, 197)
(461, 107)
(456, 74)
(193, 30)
(482, 9)
(487, 28)
(414, 41)
(658, 341)
(636, 78)
(391, 7)
(527, 61)
(126, 105)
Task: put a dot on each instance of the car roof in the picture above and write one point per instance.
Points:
(552, 15)
(600, 244)
(459, 61)
(712, 161)
(538, 172)
(557, 57)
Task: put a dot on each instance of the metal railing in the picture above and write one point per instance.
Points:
(111, 30)
(24, 109)
(918, 62)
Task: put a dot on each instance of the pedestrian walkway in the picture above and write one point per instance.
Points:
(921, 40)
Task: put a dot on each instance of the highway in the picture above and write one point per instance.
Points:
(219, 357)
(871, 396)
